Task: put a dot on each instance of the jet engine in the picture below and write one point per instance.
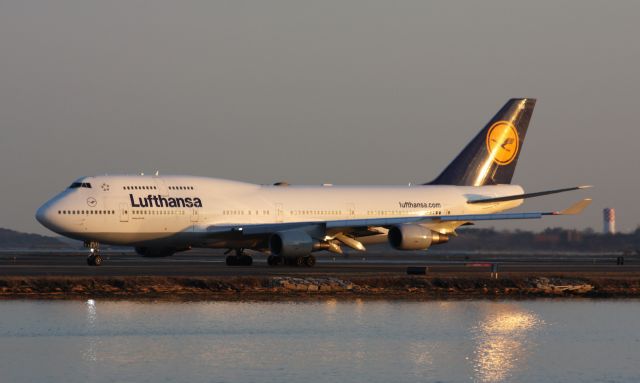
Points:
(414, 237)
(291, 243)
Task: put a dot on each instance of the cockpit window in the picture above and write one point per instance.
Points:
(76, 185)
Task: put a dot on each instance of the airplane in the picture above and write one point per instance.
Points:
(162, 215)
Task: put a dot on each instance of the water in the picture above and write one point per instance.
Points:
(329, 341)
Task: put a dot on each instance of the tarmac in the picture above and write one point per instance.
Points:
(73, 263)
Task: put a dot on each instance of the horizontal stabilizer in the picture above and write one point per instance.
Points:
(527, 195)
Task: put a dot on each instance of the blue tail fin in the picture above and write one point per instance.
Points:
(491, 157)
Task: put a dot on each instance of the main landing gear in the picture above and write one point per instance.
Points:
(240, 259)
(274, 260)
(94, 258)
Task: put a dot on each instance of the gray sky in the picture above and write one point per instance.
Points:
(349, 92)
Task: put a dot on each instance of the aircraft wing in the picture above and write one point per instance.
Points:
(526, 195)
(444, 224)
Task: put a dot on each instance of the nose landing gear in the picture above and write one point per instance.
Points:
(94, 258)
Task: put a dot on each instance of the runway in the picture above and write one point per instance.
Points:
(204, 264)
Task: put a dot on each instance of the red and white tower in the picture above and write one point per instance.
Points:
(609, 220)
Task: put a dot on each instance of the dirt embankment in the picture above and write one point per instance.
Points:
(309, 288)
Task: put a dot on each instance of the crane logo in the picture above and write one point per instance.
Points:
(503, 142)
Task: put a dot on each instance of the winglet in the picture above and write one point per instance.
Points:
(576, 208)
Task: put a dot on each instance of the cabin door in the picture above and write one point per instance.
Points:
(279, 213)
(124, 212)
(351, 210)
(194, 215)
(161, 186)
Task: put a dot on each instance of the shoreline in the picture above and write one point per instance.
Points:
(311, 288)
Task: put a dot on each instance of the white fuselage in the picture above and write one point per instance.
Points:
(180, 210)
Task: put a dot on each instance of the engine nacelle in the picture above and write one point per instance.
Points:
(414, 237)
(291, 243)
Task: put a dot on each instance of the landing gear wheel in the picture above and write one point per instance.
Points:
(310, 261)
(94, 260)
(272, 260)
(239, 260)
(299, 261)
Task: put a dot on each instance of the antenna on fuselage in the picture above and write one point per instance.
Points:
(157, 173)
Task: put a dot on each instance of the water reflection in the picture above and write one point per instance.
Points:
(503, 339)
(330, 309)
(454, 341)
(91, 311)
(422, 358)
(91, 354)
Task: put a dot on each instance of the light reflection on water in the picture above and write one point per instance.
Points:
(328, 341)
(503, 338)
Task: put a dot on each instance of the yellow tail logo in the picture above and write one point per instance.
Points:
(503, 142)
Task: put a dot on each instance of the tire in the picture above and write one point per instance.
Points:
(272, 260)
(97, 260)
(299, 261)
(90, 261)
(230, 260)
(310, 261)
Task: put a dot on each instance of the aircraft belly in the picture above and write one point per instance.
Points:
(138, 238)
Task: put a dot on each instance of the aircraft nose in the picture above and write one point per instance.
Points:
(44, 215)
